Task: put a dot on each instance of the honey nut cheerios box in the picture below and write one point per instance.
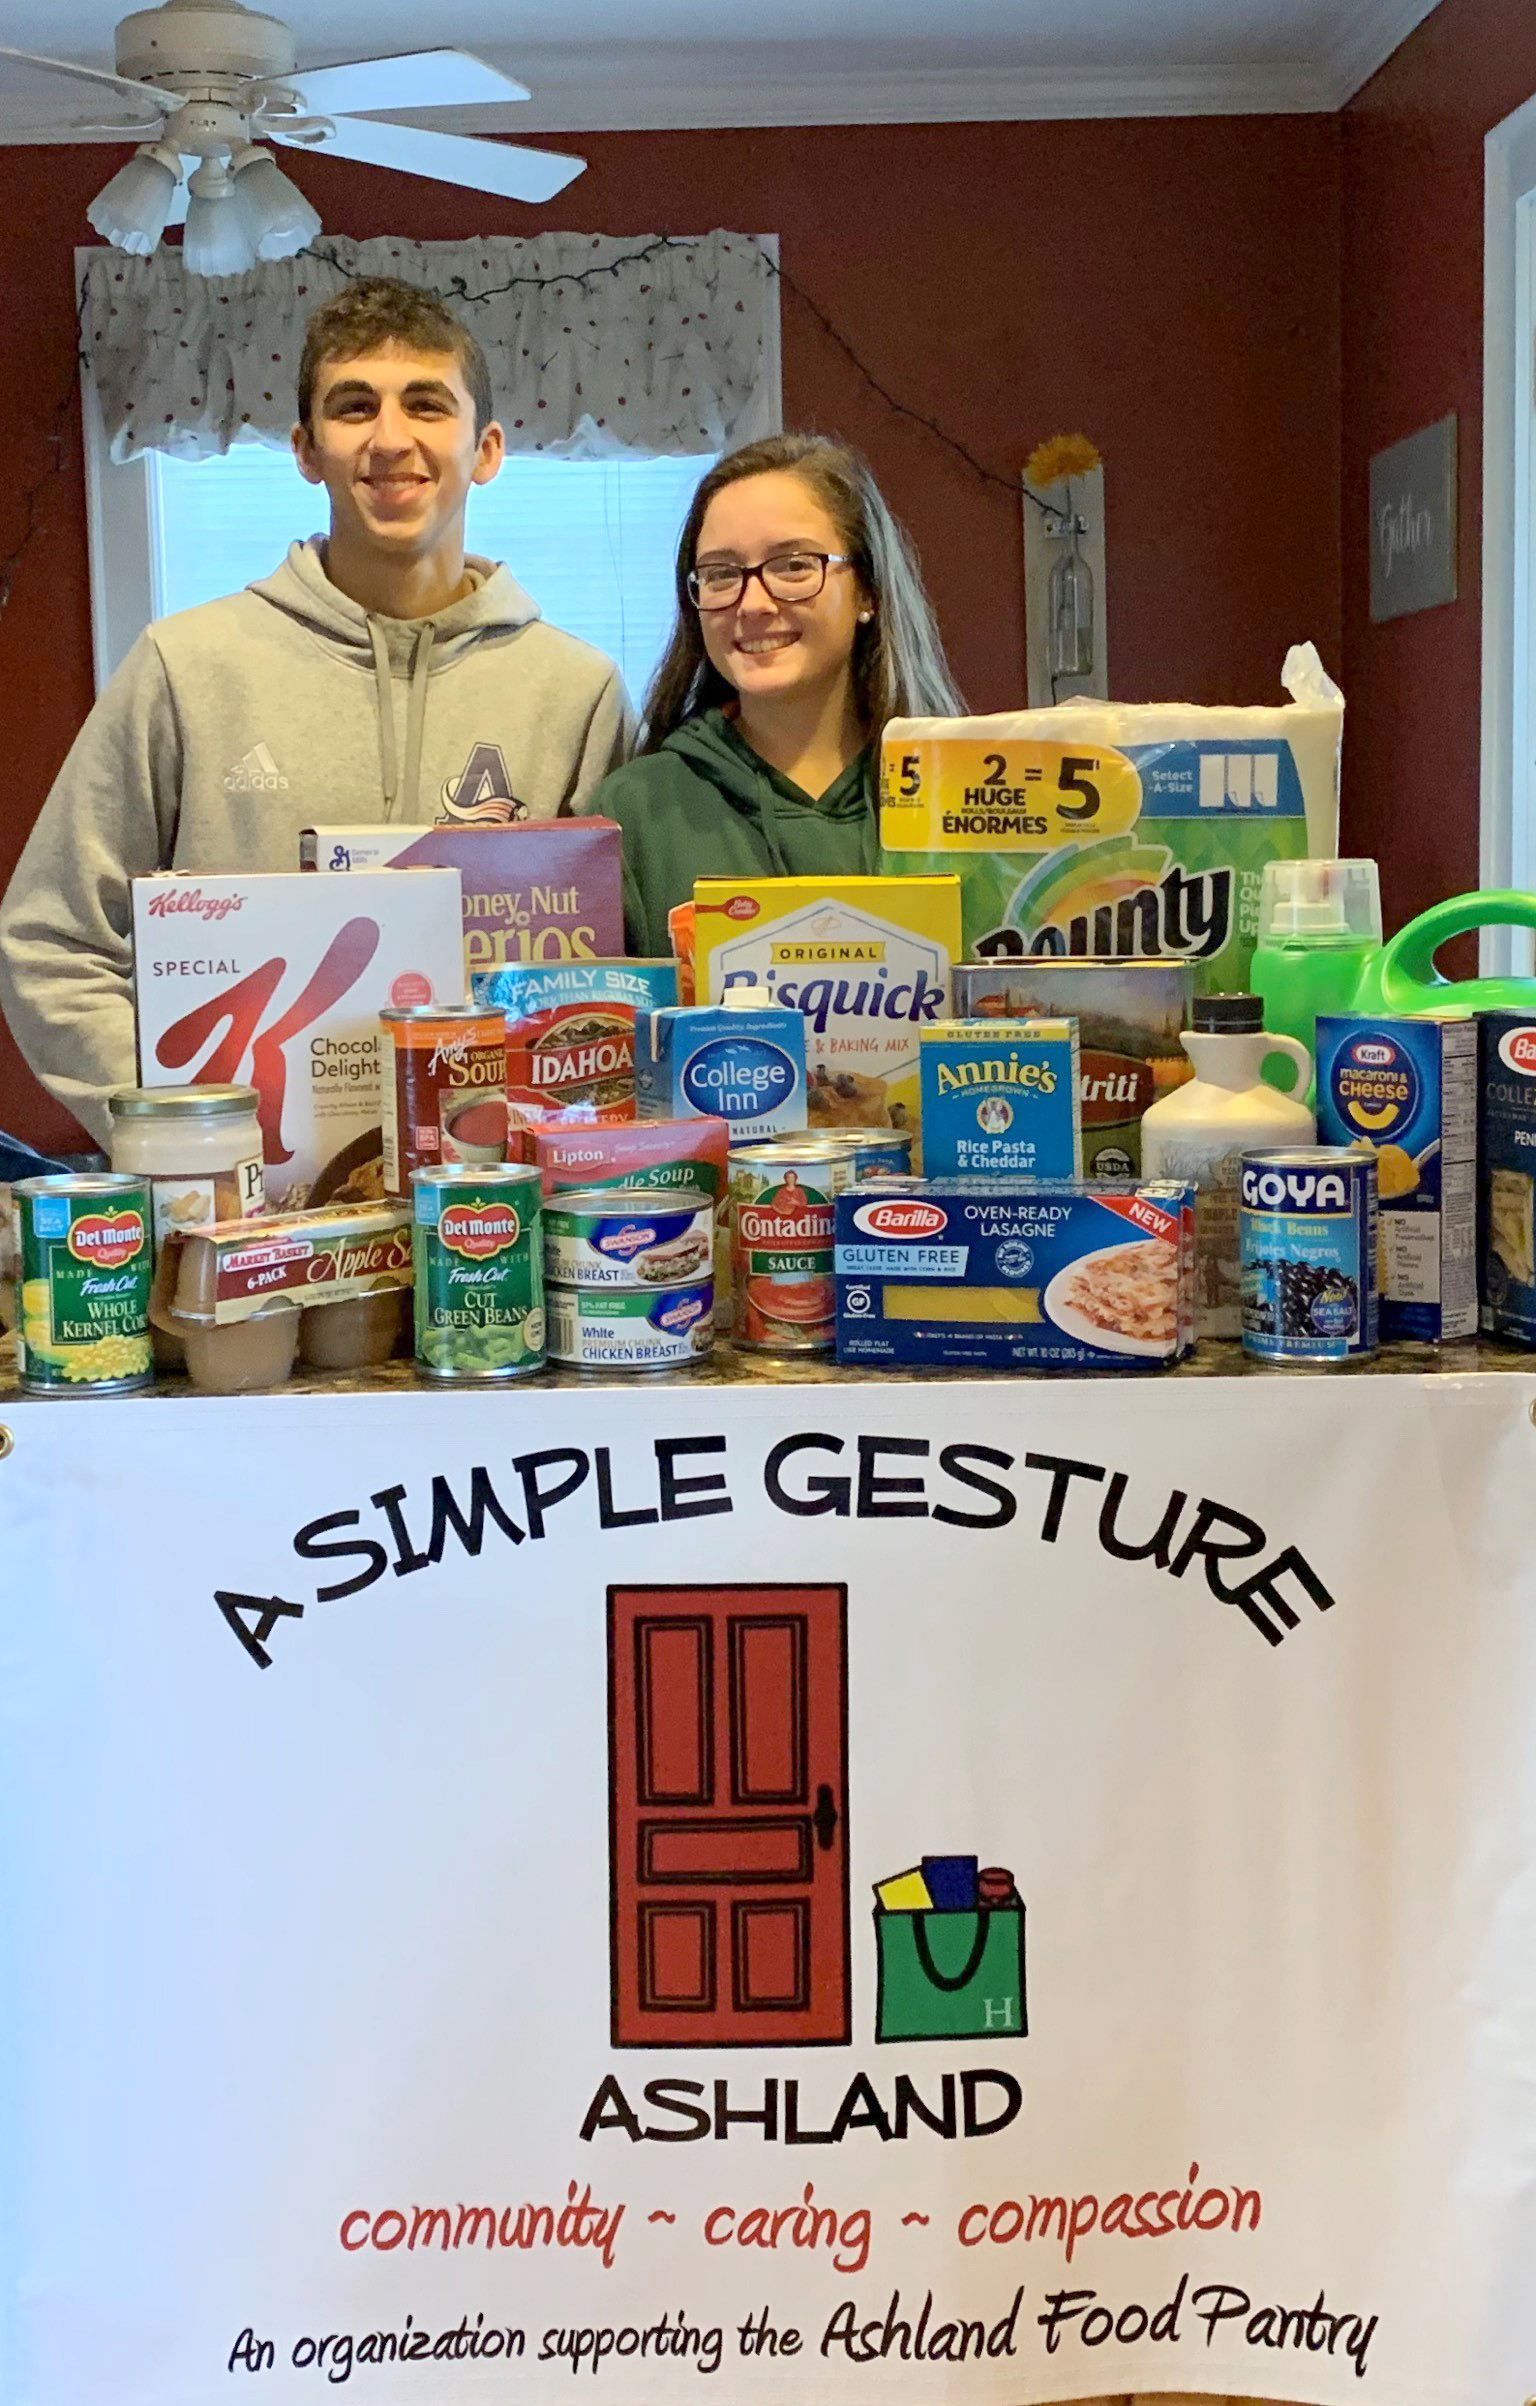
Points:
(866, 961)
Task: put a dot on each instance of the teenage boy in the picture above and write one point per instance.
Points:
(378, 674)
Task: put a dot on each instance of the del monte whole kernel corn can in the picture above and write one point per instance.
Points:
(479, 1258)
(86, 1266)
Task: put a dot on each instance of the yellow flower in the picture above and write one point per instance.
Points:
(1057, 458)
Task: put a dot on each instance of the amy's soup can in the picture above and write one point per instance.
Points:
(634, 1237)
(1308, 1243)
(781, 1242)
(86, 1266)
(479, 1258)
(444, 1089)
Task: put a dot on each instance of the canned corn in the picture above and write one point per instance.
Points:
(86, 1266)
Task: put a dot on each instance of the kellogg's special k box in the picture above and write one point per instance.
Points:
(866, 961)
(277, 982)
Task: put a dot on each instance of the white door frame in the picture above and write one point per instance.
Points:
(1508, 831)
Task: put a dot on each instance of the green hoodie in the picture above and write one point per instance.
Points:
(707, 805)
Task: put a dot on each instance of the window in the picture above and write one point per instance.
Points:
(1509, 528)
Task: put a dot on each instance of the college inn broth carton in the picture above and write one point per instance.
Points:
(277, 982)
(866, 961)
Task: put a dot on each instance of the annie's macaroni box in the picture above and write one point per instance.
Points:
(1408, 1088)
(546, 890)
(277, 982)
(1000, 1099)
(743, 1066)
(1507, 1155)
(867, 963)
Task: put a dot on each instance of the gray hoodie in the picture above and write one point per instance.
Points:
(230, 727)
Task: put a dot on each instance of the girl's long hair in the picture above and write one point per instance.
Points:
(899, 668)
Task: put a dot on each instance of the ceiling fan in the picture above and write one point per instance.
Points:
(209, 81)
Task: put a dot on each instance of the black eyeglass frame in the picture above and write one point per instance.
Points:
(744, 576)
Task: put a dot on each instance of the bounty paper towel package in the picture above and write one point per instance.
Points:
(1118, 831)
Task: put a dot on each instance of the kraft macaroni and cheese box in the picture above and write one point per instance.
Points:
(866, 961)
(1118, 831)
(1507, 1184)
(746, 1067)
(983, 1274)
(1408, 1088)
(1000, 1099)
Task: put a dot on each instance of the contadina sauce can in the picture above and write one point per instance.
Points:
(636, 1237)
(1308, 1240)
(444, 1089)
(781, 1242)
(479, 1262)
(86, 1264)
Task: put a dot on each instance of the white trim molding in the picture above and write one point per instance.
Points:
(1366, 35)
(1508, 756)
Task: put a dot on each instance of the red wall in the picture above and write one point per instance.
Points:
(1413, 342)
(1169, 286)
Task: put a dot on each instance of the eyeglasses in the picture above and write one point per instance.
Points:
(790, 576)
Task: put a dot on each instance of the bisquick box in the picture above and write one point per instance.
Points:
(1000, 1099)
(983, 1274)
(543, 890)
(746, 1067)
(1408, 1089)
(1507, 1181)
(1130, 1016)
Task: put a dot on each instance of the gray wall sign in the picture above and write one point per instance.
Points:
(1413, 522)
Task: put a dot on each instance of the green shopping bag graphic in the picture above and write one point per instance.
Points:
(950, 1975)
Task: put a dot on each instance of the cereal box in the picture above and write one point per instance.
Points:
(550, 890)
(1507, 1180)
(570, 1037)
(1000, 1099)
(866, 961)
(1408, 1088)
(1114, 831)
(746, 1067)
(1130, 1015)
(985, 1274)
(277, 982)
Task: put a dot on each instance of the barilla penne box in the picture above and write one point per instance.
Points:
(867, 963)
(1000, 1099)
(985, 1274)
(743, 1066)
(1118, 831)
(277, 982)
(1408, 1089)
(1507, 1183)
(544, 890)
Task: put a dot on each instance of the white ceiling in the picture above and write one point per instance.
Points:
(596, 64)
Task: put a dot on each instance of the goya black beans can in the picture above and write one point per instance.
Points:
(86, 1267)
(1308, 1244)
(479, 1261)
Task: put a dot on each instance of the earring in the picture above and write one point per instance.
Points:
(865, 616)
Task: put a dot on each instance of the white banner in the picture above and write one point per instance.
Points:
(927, 1893)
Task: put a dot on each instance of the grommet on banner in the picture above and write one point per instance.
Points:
(7, 1442)
(1532, 2401)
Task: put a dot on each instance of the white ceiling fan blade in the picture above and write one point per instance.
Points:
(419, 79)
(502, 167)
(94, 75)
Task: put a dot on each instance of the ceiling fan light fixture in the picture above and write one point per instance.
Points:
(131, 211)
(278, 220)
(215, 241)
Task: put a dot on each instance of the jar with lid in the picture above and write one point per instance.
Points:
(199, 1147)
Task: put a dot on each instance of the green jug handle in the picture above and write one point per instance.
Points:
(1405, 970)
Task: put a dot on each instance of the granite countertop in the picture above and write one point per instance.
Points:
(1473, 1357)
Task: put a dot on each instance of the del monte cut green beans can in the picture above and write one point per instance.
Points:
(86, 1265)
(479, 1256)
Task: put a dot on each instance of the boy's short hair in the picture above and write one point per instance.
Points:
(376, 312)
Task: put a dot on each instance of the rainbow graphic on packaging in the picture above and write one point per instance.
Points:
(1104, 831)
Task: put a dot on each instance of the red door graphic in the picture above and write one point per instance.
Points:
(728, 1745)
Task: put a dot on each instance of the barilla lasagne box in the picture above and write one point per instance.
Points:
(1130, 1017)
(1408, 1088)
(746, 1067)
(277, 982)
(1000, 1099)
(547, 890)
(983, 1274)
(1507, 1181)
(570, 1036)
(866, 961)
(1118, 831)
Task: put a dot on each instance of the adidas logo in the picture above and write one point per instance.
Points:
(257, 773)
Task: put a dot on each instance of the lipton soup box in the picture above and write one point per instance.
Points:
(550, 890)
(866, 961)
(277, 982)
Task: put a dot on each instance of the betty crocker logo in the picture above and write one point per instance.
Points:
(192, 899)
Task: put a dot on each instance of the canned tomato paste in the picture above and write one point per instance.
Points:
(479, 1251)
(444, 1090)
(781, 1242)
(85, 1278)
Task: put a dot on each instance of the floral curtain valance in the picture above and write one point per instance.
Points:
(596, 342)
